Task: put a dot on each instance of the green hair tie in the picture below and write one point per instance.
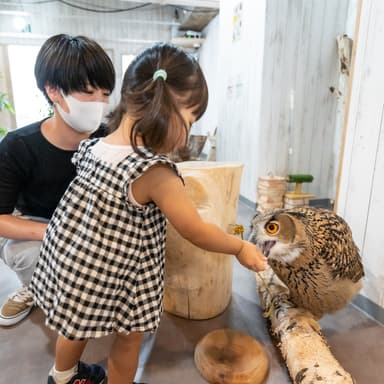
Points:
(160, 73)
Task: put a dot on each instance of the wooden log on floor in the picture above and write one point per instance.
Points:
(298, 335)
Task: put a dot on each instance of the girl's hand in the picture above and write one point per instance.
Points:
(251, 257)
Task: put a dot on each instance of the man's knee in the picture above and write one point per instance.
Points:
(20, 255)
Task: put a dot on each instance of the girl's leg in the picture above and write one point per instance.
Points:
(68, 352)
(69, 369)
(124, 357)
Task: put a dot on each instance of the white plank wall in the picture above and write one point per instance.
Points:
(240, 78)
(361, 195)
(278, 115)
(6, 119)
(211, 65)
(119, 33)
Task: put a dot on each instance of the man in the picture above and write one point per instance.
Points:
(77, 76)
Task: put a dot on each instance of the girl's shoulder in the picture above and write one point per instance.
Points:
(83, 148)
(87, 143)
(139, 163)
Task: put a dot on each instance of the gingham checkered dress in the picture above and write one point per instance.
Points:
(101, 265)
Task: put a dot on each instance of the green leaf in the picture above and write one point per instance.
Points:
(3, 132)
(8, 106)
(4, 103)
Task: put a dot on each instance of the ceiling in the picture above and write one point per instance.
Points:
(215, 4)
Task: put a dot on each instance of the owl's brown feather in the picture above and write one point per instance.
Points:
(314, 254)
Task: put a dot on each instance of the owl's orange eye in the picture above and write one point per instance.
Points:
(272, 227)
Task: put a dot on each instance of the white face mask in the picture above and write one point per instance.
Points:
(83, 116)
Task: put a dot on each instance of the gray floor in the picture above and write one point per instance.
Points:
(27, 349)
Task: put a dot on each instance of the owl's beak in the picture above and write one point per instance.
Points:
(267, 246)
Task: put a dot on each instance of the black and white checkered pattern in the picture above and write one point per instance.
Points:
(101, 265)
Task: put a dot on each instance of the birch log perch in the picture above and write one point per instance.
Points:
(302, 345)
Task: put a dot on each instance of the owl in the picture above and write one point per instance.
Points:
(312, 251)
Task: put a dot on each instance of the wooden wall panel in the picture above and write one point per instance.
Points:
(361, 195)
(374, 239)
(289, 104)
(300, 111)
(240, 79)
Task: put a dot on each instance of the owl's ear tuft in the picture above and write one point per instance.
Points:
(256, 215)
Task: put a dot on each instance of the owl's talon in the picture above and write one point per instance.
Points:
(267, 313)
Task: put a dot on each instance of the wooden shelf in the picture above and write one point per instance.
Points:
(187, 42)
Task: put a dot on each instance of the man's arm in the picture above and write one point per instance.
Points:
(13, 227)
(13, 171)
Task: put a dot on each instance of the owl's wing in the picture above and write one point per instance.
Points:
(343, 257)
(331, 239)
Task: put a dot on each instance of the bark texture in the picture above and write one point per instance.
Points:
(298, 335)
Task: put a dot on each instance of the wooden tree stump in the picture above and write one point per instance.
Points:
(270, 192)
(298, 335)
(198, 283)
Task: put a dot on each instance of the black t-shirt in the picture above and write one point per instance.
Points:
(34, 174)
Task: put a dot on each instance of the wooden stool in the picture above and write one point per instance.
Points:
(298, 198)
(227, 356)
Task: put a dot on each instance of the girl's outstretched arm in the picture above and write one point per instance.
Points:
(161, 185)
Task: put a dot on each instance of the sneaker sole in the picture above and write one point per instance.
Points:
(7, 321)
(52, 381)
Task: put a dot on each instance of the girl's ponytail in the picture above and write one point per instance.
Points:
(156, 86)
